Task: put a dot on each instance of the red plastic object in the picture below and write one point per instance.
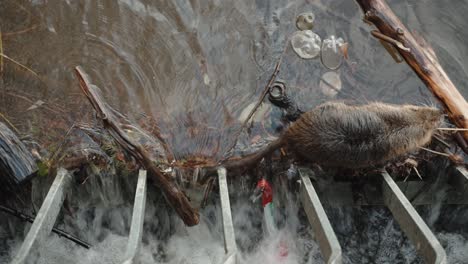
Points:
(267, 191)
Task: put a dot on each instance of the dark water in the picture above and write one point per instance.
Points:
(194, 67)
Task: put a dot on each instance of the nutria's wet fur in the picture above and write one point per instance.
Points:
(353, 136)
(340, 135)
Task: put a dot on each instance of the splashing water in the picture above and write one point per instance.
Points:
(204, 62)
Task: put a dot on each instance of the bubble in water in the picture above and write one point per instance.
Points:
(331, 54)
(306, 44)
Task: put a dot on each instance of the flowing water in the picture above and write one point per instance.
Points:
(194, 67)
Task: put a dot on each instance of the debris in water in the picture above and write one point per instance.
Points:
(35, 105)
(305, 21)
(331, 53)
(16, 162)
(306, 44)
(330, 84)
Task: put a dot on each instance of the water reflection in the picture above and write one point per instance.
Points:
(187, 63)
(194, 66)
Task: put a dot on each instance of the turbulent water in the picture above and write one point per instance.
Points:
(194, 67)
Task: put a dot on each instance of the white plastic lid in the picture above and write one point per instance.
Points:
(306, 44)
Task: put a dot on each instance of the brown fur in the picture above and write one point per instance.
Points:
(340, 135)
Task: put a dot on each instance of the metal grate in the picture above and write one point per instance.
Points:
(403, 211)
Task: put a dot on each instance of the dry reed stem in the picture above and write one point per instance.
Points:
(262, 97)
(435, 152)
(19, 32)
(451, 129)
(9, 123)
(20, 65)
(1, 51)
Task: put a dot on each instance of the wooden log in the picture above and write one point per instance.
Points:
(420, 57)
(16, 162)
(176, 198)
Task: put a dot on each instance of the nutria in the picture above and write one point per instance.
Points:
(354, 136)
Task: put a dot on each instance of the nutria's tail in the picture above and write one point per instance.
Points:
(252, 159)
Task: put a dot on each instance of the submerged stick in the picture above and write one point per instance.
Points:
(260, 100)
(165, 181)
(420, 57)
(57, 231)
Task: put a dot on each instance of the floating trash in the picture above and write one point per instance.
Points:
(331, 53)
(259, 114)
(306, 44)
(305, 21)
(330, 84)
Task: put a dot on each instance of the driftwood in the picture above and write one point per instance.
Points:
(176, 198)
(420, 57)
(16, 162)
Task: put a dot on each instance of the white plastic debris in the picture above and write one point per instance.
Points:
(35, 105)
(331, 53)
(305, 21)
(306, 44)
(259, 114)
(330, 84)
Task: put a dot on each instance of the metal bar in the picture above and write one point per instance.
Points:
(230, 246)
(138, 217)
(411, 223)
(329, 246)
(46, 216)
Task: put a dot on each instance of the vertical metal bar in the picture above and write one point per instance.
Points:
(138, 217)
(329, 246)
(411, 222)
(230, 246)
(46, 216)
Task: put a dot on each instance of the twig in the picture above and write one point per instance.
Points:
(417, 172)
(260, 100)
(59, 111)
(435, 152)
(9, 123)
(451, 129)
(21, 65)
(388, 39)
(157, 170)
(1, 51)
(59, 232)
(441, 141)
(65, 139)
(421, 58)
(22, 31)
